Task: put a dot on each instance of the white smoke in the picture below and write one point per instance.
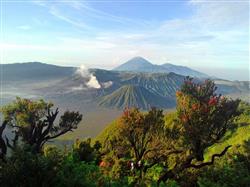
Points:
(92, 80)
(107, 84)
(83, 71)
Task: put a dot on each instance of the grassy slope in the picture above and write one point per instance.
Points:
(232, 137)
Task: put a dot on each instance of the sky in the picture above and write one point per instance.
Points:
(209, 36)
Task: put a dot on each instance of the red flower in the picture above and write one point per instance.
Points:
(126, 112)
(212, 101)
(103, 164)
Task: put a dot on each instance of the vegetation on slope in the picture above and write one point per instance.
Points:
(189, 147)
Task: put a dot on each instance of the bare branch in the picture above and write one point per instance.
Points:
(198, 166)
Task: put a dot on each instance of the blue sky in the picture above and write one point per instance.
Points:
(210, 36)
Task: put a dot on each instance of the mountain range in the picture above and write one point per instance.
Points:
(117, 89)
(34, 71)
(139, 64)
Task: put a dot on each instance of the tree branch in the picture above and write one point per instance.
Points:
(3, 127)
(59, 134)
(3, 146)
(210, 162)
(50, 119)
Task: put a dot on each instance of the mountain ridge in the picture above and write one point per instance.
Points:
(134, 96)
(63, 85)
(29, 71)
(140, 64)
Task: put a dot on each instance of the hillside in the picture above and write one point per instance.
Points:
(235, 136)
(62, 85)
(34, 71)
(134, 96)
(182, 70)
(239, 133)
(139, 64)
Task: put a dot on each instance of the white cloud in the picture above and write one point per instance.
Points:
(214, 35)
(57, 13)
(221, 15)
(86, 9)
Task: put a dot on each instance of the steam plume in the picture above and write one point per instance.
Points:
(92, 80)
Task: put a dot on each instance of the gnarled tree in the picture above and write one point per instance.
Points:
(141, 139)
(203, 117)
(34, 122)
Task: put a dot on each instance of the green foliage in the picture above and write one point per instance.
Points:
(205, 117)
(24, 112)
(84, 151)
(136, 145)
(138, 149)
(24, 168)
(236, 135)
(233, 170)
(74, 173)
(33, 121)
(109, 133)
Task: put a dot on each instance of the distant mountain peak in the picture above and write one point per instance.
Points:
(139, 64)
(139, 58)
(138, 61)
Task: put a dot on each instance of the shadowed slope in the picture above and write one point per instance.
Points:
(134, 96)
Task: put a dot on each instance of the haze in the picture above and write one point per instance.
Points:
(206, 35)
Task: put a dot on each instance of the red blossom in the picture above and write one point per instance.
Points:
(212, 101)
(103, 164)
(126, 112)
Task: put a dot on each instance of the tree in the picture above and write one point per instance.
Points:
(232, 170)
(204, 118)
(140, 140)
(23, 168)
(84, 151)
(34, 122)
(3, 146)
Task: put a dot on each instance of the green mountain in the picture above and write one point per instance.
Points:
(135, 96)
